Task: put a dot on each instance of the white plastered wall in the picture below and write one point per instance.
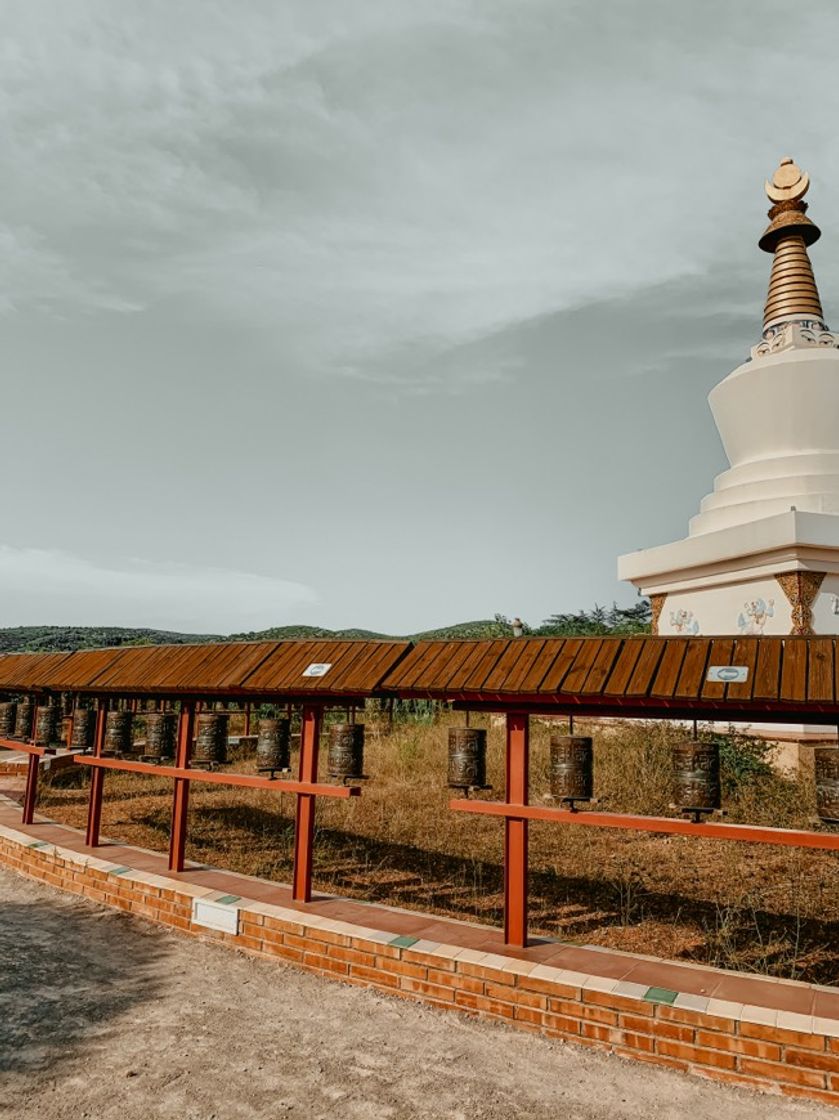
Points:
(752, 607)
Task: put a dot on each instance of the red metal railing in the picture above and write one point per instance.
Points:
(307, 789)
(517, 814)
(515, 809)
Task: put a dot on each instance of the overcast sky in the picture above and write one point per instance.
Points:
(386, 314)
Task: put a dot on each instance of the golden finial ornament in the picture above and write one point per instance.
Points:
(792, 287)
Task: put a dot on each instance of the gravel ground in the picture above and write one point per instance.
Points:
(104, 1016)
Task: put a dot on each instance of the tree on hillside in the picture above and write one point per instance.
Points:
(600, 620)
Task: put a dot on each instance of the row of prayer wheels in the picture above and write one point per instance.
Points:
(345, 758)
(696, 771)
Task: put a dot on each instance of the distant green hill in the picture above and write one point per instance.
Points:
(44, 639)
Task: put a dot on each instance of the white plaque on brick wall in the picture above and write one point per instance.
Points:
(215, 915)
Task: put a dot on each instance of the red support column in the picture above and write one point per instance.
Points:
(515, 831)
(97, 778)
(180, 799)
(304, 825)
(31, 794)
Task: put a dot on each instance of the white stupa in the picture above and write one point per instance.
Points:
(762, 554)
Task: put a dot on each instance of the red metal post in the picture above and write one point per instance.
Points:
(515, 831)
(97, 779)
(304, 825)
(180, 799)
(31, 794)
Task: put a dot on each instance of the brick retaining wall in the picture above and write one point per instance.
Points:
(744, 1044)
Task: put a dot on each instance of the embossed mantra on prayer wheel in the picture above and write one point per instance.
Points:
(84, 725)
(211, 739)
(572, 767)
(826, 767)
(345, 760)
(23, 718)
(696, 775)
(467, 758)
(118, 727)
(272, 744)
(47, 718)
(8, 717)
(161, 731)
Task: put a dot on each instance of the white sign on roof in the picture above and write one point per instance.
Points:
(317, 669)
(728, 674)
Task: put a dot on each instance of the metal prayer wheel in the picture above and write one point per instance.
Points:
(23, 718)
(696, 775)
(118, 738)
(467, 758)
(211, 739)
(273, 745)
(826, 767)
(345, 758)
(47, 717)
(161, 733)
(84, 726)
(571, 770)
(8, 716)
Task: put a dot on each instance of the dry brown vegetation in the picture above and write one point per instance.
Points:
(744, 906)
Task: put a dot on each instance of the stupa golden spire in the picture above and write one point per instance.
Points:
(793, 294)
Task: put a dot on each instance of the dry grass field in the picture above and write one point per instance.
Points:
(742, 906)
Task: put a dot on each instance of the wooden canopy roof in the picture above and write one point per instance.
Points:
(789, 679)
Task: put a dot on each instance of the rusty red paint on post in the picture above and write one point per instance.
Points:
(180, 797)
(304, 825)
(31, 793)
(97, 779)
(516, 830)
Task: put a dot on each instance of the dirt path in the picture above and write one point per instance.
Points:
(104, 1016)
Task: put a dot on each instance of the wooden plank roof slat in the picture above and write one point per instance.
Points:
(744, 654)
(645, 667)
(623, 668)
(602, 666)
(498, 679)
(820, 675)
(536, 674)
(720, 653)
(767, 670)
(664, 682)
(794, 670)
(692, 674)
(530, 656)
(553, 679)
(586, 656)
(411, 673)
(482, 670)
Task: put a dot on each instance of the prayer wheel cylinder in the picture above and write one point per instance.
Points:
(345, 760)
(211, 739)
(161, 733)
(696, 775)
(572, 767)
(467, 757)
(84, 726)
(273, 744)
(118, 738)
(8, 717)
(47, 717)
(826, 767)
(23, 718)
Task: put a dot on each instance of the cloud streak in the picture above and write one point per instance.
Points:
(41, 586)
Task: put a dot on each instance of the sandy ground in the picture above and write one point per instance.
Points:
(104, 1016)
